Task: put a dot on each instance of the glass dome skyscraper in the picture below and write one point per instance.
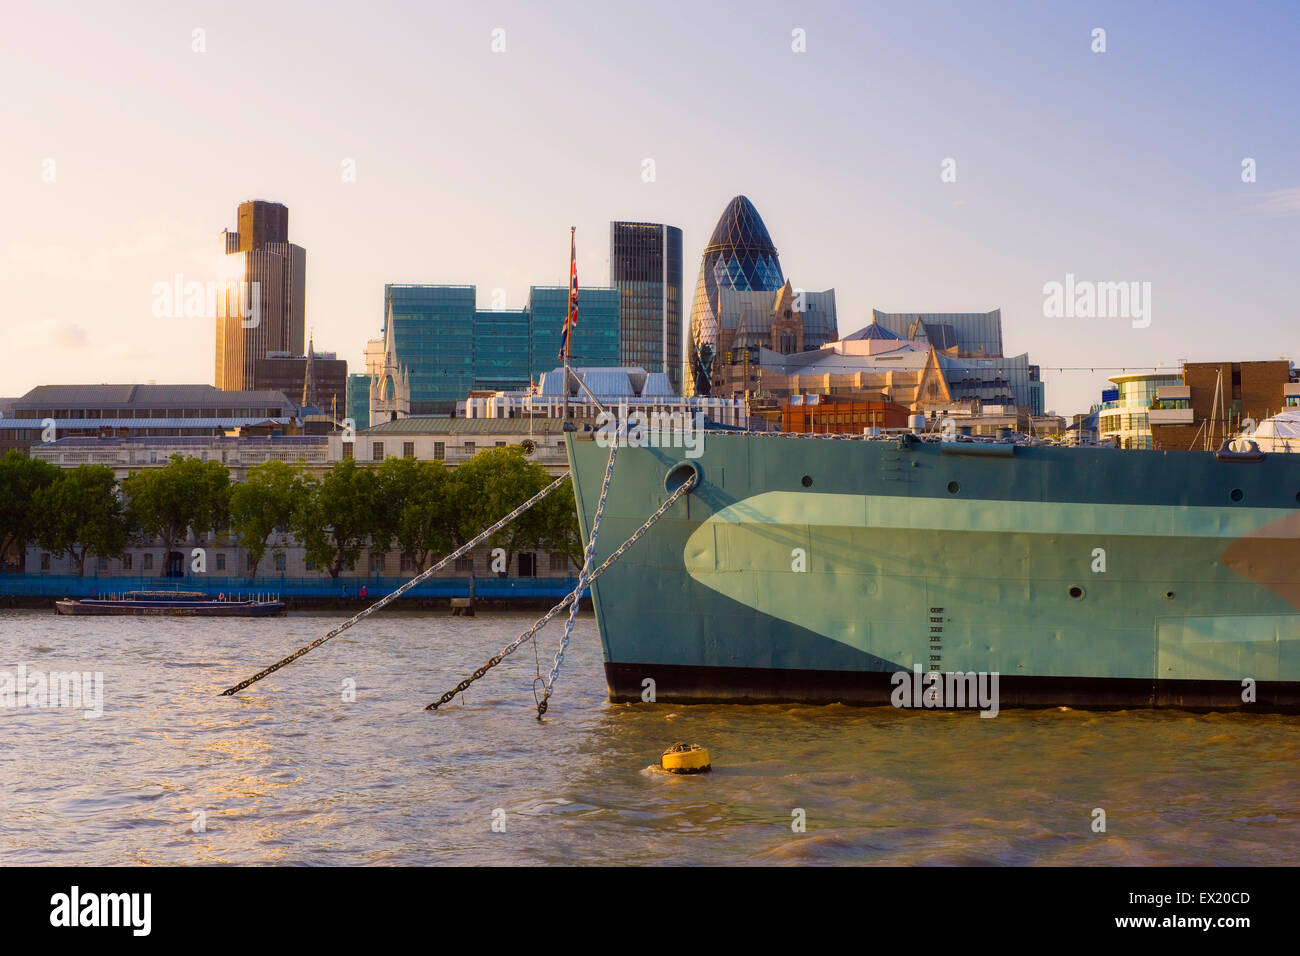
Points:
(740, 255)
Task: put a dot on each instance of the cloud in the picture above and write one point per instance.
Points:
(68, 335)
(1278, 202)
(52, 333)
(25, 261)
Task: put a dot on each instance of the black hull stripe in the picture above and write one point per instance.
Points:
(679, 684)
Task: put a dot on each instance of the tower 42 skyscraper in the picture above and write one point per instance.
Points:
(261, 308)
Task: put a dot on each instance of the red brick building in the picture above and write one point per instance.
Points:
(1183, 417)
(840, 417)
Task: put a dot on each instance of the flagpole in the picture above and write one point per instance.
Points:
(568, 328)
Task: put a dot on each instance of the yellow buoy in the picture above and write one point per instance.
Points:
(686, 758)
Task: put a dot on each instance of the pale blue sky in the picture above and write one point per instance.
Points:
(471, 165)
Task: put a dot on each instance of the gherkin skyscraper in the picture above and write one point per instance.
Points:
(740, 255)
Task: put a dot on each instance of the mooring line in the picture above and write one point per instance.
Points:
(572, 596)
(231, 691)
(548, 685)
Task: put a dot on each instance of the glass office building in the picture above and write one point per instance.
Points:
(645, 266)
(596, 339)
(740, 255)
(449, 347)
(501, 349)
(359, 400)
(1125, 419)
(433, 331)
(971, 333)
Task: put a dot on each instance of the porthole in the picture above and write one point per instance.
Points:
(807, 481)
(953, 487)
(1236, 494)
(1076, 592)
(1169, 595)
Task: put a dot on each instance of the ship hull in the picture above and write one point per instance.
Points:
(822, 570)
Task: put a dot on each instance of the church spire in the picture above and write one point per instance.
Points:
(309, 375)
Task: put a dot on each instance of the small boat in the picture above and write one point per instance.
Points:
(174, 604)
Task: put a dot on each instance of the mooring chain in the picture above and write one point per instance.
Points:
(423, 575)
(548, 685)
(568, 598)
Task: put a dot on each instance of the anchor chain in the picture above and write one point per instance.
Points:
(548, 685)
(423, 575)
(569, 598)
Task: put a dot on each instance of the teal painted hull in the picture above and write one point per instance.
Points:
(816, 570)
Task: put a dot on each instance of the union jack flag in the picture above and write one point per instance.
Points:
(570, 319)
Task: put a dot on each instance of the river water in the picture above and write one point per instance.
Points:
(293, 772)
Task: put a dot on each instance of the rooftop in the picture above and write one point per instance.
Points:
(176, 396)
(428, 425)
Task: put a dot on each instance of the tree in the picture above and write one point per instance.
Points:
(337, 515)
(82, 514)
(186, 495)
(20, 478)
(491, 485)
(556, 525)
(263, 504)
(416, 509)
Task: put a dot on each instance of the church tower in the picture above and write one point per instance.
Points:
(390, 388)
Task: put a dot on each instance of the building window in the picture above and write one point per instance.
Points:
(407, 564)
(559, 561)
(501, 444)
(45, 562)
(469, 448)
(408, 449)
(127, 561)
(280, 562)
(377, 451)
(101, 564)
(347, 450)
(147, 563)
(466, 563)
(221, 562)
(440, 451)
(377, 561)
(310, 564)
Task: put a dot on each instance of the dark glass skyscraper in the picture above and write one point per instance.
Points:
(740, 256)
(645, 265)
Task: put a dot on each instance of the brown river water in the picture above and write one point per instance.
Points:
(291, 772)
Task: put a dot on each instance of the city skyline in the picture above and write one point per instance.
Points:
(1061, 162)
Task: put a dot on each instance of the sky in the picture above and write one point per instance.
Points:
(914, 156)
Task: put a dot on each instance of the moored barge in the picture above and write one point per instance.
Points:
(172, 604)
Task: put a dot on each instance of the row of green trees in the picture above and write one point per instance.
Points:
(421, 508)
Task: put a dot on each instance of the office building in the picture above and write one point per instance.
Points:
(446, 347)
(1125, 418)
(358, 405)
(739, 256)
(1216, 400)
(595, 340)
(261, 305)
(315, 380)
(645, 266)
